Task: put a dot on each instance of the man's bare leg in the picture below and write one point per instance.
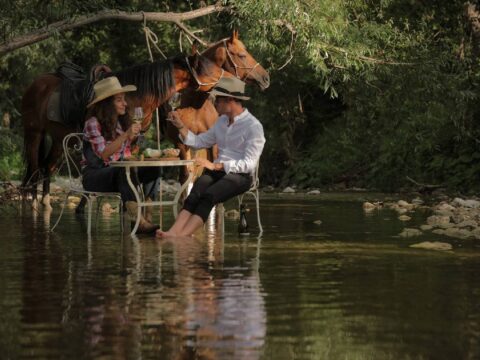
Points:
(182, 218)
(195, 222)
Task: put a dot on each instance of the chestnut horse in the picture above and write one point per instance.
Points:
(156, 82)
(197, 112)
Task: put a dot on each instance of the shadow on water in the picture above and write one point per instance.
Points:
(347, 288)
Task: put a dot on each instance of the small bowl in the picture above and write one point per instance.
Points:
(171, 152)
(152, 153)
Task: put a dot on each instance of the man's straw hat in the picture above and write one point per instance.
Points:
(108, 87)
(231, 87)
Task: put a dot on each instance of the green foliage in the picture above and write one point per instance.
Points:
(363, 92)
(10, 155)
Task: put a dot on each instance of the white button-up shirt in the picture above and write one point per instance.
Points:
(239, 145)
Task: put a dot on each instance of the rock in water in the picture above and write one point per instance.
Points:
(409, 232)
(433, 245)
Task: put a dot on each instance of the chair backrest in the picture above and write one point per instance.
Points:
(73, 150)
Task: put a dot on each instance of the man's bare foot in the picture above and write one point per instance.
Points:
(163, 234)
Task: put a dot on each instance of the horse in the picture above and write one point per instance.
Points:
(156, 82)
(196, 111)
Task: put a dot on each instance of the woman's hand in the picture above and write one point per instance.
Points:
(134, 130)
(174, 118)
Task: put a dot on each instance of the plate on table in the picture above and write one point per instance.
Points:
(161, 158)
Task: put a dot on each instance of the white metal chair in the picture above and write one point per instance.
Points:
(73, 149)
(254, 192)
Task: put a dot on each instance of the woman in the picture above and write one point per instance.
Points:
(240, 139)
(108, 136)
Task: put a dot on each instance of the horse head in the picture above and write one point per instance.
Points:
(232, 55)
(205, 73)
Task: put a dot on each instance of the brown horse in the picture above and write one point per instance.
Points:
(196, 111)
(156, 82)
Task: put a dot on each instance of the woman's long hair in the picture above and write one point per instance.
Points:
(105, 112)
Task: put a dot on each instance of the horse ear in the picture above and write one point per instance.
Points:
(220, 56)
(234, 36)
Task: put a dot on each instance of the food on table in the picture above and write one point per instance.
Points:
(148, 152)
(170, 152)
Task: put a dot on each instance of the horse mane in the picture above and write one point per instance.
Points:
(151, 79)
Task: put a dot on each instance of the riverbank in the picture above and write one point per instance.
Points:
(440, 213)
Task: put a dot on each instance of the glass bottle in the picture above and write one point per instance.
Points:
(243, 225)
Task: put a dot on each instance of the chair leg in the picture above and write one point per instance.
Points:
(257, 200)
(61, 212)
(99, 202)
(240, 200)
(121, 213)
(89, 221)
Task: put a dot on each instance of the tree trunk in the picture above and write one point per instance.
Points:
(472, 14)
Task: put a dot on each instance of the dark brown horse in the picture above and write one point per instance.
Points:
(156, 82)
(196, 111)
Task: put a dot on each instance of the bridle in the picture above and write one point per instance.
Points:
(193, 72)
(238, 66)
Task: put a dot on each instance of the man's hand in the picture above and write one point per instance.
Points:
(174, 118)
(208, 164)
(205, 163)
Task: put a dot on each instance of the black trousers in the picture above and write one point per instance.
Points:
(113, 179)
(214, 187)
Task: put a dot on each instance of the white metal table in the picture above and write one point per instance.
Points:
(129, 164)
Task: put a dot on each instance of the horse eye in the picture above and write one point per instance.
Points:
(242, 55)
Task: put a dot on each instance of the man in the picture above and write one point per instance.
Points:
(240, 140)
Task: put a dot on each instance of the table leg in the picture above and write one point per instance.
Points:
(161, 201)
(179, 193)
(137, 197)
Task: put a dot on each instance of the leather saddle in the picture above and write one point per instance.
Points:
(68, 104)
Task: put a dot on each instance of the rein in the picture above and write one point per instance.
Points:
(195, 76)
(238, 66)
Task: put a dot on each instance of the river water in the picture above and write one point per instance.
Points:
(349, 288)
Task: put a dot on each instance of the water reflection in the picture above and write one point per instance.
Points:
(348, 288)
(120, 297)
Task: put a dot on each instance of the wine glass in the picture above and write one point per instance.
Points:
(138, 115)
(138, 118)
(175, 101)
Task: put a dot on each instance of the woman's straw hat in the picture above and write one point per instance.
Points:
(108, 87)
(230, 87)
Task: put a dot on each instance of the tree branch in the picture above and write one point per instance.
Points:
(189, 33)
(366, 58)
(280, 22)
(66, 25)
